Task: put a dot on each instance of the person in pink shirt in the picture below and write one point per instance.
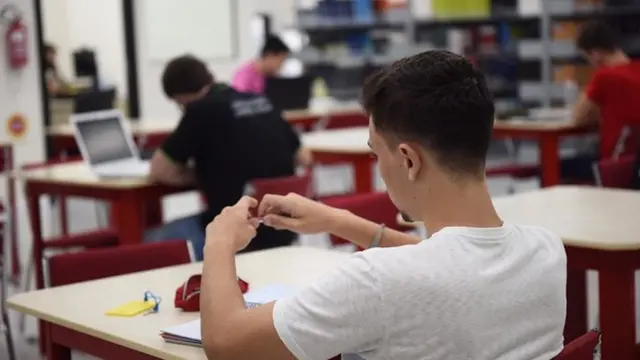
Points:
(250, 77)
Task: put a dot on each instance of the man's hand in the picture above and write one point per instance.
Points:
(166, 171)
(296, 213)
(304, 157)
(234, 227)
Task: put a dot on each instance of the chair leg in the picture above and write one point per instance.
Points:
(102, 217)
(8, 335)
(26, 281)
(513, 149)
(6, 325)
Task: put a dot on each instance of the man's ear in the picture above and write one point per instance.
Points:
(411, 160)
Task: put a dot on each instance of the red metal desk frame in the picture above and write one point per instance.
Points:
(616, 289)
(548, 139)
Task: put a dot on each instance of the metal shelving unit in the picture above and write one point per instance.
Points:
(533, 53)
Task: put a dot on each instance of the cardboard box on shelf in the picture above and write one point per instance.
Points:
(585, 4)
(566, 30)
(384, 5)
(581, 74)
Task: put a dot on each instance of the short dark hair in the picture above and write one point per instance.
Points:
(597, 35)
(185, 74)
(439, 100)
(273, 45)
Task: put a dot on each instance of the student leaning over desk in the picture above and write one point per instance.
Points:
(478, 289)
(611, 100)
(251, 77)
(223, 140)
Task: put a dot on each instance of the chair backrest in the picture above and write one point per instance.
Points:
(347, 121)
(615, 173)
(581, 348)
(375, 206)
(95, 264)
(298, 184)
(628, 141)
(6, 158)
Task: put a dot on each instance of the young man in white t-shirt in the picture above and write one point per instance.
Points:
(477, 289)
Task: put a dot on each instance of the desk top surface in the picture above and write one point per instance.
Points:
(68, 306)
(534, 125)
(143, 126)
(343, 140)
(588, 217)
(78, 173)
(354, 140)
(350, 140)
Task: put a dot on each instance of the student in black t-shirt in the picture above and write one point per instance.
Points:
(224, 139)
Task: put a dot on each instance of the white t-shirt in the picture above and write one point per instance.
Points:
(465, 293)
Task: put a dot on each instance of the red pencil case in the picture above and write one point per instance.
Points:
(188, 294)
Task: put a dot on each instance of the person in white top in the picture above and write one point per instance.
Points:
(476, 289)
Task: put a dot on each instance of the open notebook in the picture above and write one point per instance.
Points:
(189, 333)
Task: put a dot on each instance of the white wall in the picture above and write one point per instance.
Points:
(56, 32)
(153, 103)
(97, 24)
(70, 24)
(20, 92)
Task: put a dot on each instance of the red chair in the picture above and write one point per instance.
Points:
(76, 267)
(581, 348)
(61, 200)
(89, 239)
(615, 173)
(71, 268)
(298, 184)
(86, 240)
(375, 206)
(347, 121)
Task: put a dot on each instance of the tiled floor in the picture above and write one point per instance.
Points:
(83, 216)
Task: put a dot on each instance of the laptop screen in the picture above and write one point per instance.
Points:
(105, 140)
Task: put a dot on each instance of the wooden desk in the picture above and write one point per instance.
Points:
(152, 132)
(129, 199)
(146, 133)
(344, 146)
(548, 135)
(78, 322)
(601, 231)
(350, 145)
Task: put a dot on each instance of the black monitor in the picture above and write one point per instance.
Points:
(85, 65)
(94, 100)
(289, 93)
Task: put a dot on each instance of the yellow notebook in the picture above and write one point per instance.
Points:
(132, 308)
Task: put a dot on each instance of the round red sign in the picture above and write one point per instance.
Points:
(16, 126)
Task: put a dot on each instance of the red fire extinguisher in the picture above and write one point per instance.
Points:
(15, 37)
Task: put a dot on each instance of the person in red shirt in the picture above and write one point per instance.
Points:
(611, 99)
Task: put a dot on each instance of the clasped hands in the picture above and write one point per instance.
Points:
(236, 225)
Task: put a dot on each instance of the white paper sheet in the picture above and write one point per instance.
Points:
(189, 333)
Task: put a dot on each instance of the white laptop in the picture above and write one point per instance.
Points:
(107, 145)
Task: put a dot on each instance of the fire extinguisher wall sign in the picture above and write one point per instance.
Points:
(16, 37)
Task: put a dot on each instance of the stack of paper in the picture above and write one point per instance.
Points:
(189, 333)
(185, 334)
